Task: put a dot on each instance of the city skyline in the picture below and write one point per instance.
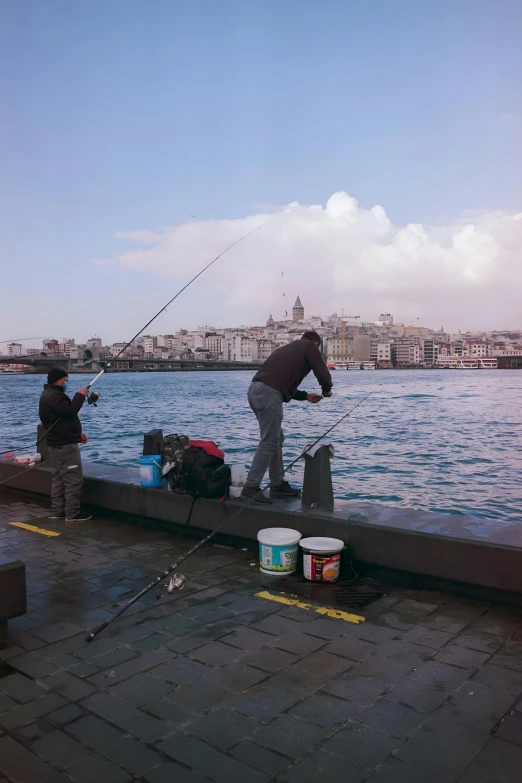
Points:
(34, 342)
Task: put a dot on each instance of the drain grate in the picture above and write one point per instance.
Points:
(348, 593)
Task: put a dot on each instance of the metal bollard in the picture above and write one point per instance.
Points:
(152, 441)
(317, 484)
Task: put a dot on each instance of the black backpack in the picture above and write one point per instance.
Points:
(204, 475)
(191, 470)
(172, 451)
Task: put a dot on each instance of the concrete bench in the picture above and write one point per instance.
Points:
(13, 598)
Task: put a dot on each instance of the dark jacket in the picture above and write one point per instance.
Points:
(55, 406)
(285, 369)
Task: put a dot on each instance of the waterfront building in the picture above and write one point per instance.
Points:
(430, 351)
(477, 348)
(406, 351)
(214, 344)
(380, 351)
(239, 348)
(350, 347)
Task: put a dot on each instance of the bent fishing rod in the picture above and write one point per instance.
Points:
(179, 294)
(93, 398)
(179, 581)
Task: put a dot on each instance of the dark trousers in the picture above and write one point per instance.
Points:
(67, 480)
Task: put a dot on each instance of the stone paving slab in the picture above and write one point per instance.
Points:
(216, 684)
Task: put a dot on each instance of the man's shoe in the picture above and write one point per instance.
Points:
(284, 490)
(255, 494)
(59, 517)
(81, 516)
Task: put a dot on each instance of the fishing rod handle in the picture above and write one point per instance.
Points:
(96, 631)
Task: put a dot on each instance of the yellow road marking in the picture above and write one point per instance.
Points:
(34, 529)
(328, 611)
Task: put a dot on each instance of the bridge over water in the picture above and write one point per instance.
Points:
(38, 364)
(176, 365)
(42, 364)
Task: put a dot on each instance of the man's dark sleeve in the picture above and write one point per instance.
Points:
(65, 408)
(319, 368)
(301, 396)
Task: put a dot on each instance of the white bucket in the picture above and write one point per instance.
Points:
(278, 549)
(321, 558)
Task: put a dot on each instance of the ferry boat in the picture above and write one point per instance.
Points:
(355, 365)
(467, 362)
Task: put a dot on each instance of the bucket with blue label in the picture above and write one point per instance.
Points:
(278, 550)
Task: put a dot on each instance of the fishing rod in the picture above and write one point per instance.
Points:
(178, 581)
(237, 241)
(94, 396)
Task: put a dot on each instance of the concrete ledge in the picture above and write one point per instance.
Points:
(464, 549)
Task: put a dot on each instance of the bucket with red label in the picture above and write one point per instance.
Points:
(321, 558)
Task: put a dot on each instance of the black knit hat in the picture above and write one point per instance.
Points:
(55, 374)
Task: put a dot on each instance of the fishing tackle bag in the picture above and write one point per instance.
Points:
(172, 450)
(205, 474)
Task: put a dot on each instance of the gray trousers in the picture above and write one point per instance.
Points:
(267, 404)
(67, 480)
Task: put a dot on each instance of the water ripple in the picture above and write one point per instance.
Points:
(437, 440)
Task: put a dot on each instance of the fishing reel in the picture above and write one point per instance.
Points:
(177, 582)
(93, 398)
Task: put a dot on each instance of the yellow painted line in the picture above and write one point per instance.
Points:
(327, 611)
(34, 529)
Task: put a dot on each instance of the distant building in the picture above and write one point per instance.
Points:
(298, 313)
(51, 346)
(214, 344)
(239, 348)
(351, 347)
(406, 351)
(386, 319)
(93, 347)
(270, 322)
(380, 351)
(15, 349)
(67, 344)
(149, 343)
(477, 348)
(430, 351)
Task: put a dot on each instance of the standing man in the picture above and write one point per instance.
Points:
(276, 383)
(59, 416)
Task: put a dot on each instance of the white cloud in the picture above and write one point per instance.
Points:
(342, 255)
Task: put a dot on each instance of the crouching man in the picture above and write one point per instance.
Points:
(59, 416)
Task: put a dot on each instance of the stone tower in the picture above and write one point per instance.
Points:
(270, 321)
(298, 310)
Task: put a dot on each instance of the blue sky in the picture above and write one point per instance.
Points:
(119, 115)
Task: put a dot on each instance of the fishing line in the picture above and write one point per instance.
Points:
(185, 288)
(93, 398)
(213, 533)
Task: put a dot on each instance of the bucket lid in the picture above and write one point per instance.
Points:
(322, 544)
(278, 536)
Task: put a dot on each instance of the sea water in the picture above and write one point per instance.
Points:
(441, 440)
